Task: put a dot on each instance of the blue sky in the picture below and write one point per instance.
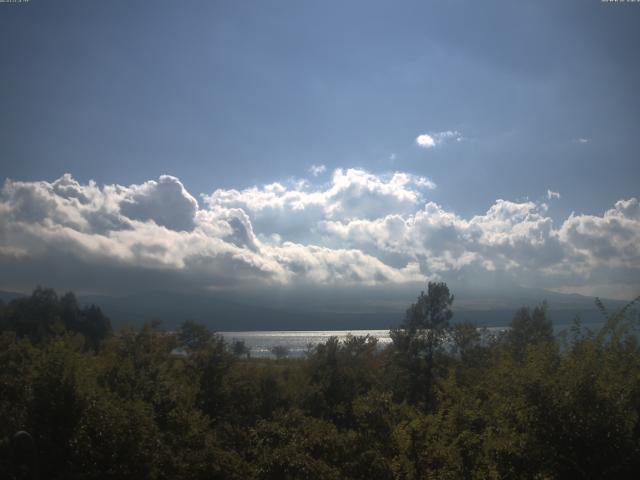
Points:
(520, 98)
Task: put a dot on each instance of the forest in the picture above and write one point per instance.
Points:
(443, 400)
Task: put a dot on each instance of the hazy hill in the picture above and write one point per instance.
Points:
(224, 312)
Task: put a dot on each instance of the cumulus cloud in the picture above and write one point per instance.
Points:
(159, 226)
(358, 229)
(295, 212)
(516, 239)
(166, 202)
(426, 141)
(612, 240)
(431, 140)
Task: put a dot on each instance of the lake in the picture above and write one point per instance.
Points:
(297, 342)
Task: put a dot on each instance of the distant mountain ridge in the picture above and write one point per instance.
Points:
(224, 313)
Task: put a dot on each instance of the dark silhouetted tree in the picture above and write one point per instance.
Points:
(280, 352)
(43, 316)
(416, 342)
(194, 336)
(239, 348)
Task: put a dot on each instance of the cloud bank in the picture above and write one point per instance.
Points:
(357, 229)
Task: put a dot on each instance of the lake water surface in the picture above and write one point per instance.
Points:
(297, 342)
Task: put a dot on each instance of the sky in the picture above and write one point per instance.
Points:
(224, 145)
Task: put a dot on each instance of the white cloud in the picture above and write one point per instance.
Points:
(612, 240)
(295, 212)
(316, 170)
(166, 202)
(431, 140)
(517, 239)
(582, 140)
(426, 141)
(448, 135)
(159, 226)
(360, 228)
(552, 195)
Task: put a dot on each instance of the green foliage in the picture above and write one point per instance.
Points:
(337, 374)
(209, 368)
(529, 328)
(17, 361)
(441, 402)
(115, 438)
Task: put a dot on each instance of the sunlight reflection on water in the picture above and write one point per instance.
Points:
(297, 342)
